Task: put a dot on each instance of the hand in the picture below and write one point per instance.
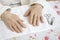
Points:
(35, 14)
(12, 21)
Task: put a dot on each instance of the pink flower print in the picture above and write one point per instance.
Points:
(33, 38)
(51, 30)
(59, 37)
(30, 36)
(46, 38)
(56, 6)
(58, 12)
(35, 35)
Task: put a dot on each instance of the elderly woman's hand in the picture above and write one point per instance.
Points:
(35, 14)
(13, 22)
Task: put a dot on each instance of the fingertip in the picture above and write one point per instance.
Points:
(41, 19)
(24, 26)
(25, 15)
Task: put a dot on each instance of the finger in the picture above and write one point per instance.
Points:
(38, 18)
(31, 18)
(27, 13)
(20, 19)
(35, 20)
(19, 27)
(15, 28)
(11, 28)
(14, 25)
(8, 24)
(41, 19)
(14, 20)
(18, 24)
(21, 23)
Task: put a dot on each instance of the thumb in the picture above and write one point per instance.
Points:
(27, 13)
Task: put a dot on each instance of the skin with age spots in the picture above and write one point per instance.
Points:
(13, 22)
(35, 14)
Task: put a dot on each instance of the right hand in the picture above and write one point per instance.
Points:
(35, 14)
(12, 21)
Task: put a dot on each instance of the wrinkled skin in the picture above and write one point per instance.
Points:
(35, 14)
(12, 21)
(15, 24)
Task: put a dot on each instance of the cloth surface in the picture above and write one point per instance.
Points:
(7, 4)
(41, 30)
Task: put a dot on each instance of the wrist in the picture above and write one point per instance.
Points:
(5, 13)
(36, 4)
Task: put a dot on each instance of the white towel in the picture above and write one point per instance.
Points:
(5, 33)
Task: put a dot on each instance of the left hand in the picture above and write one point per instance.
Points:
(35, 14)
(13, 22)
